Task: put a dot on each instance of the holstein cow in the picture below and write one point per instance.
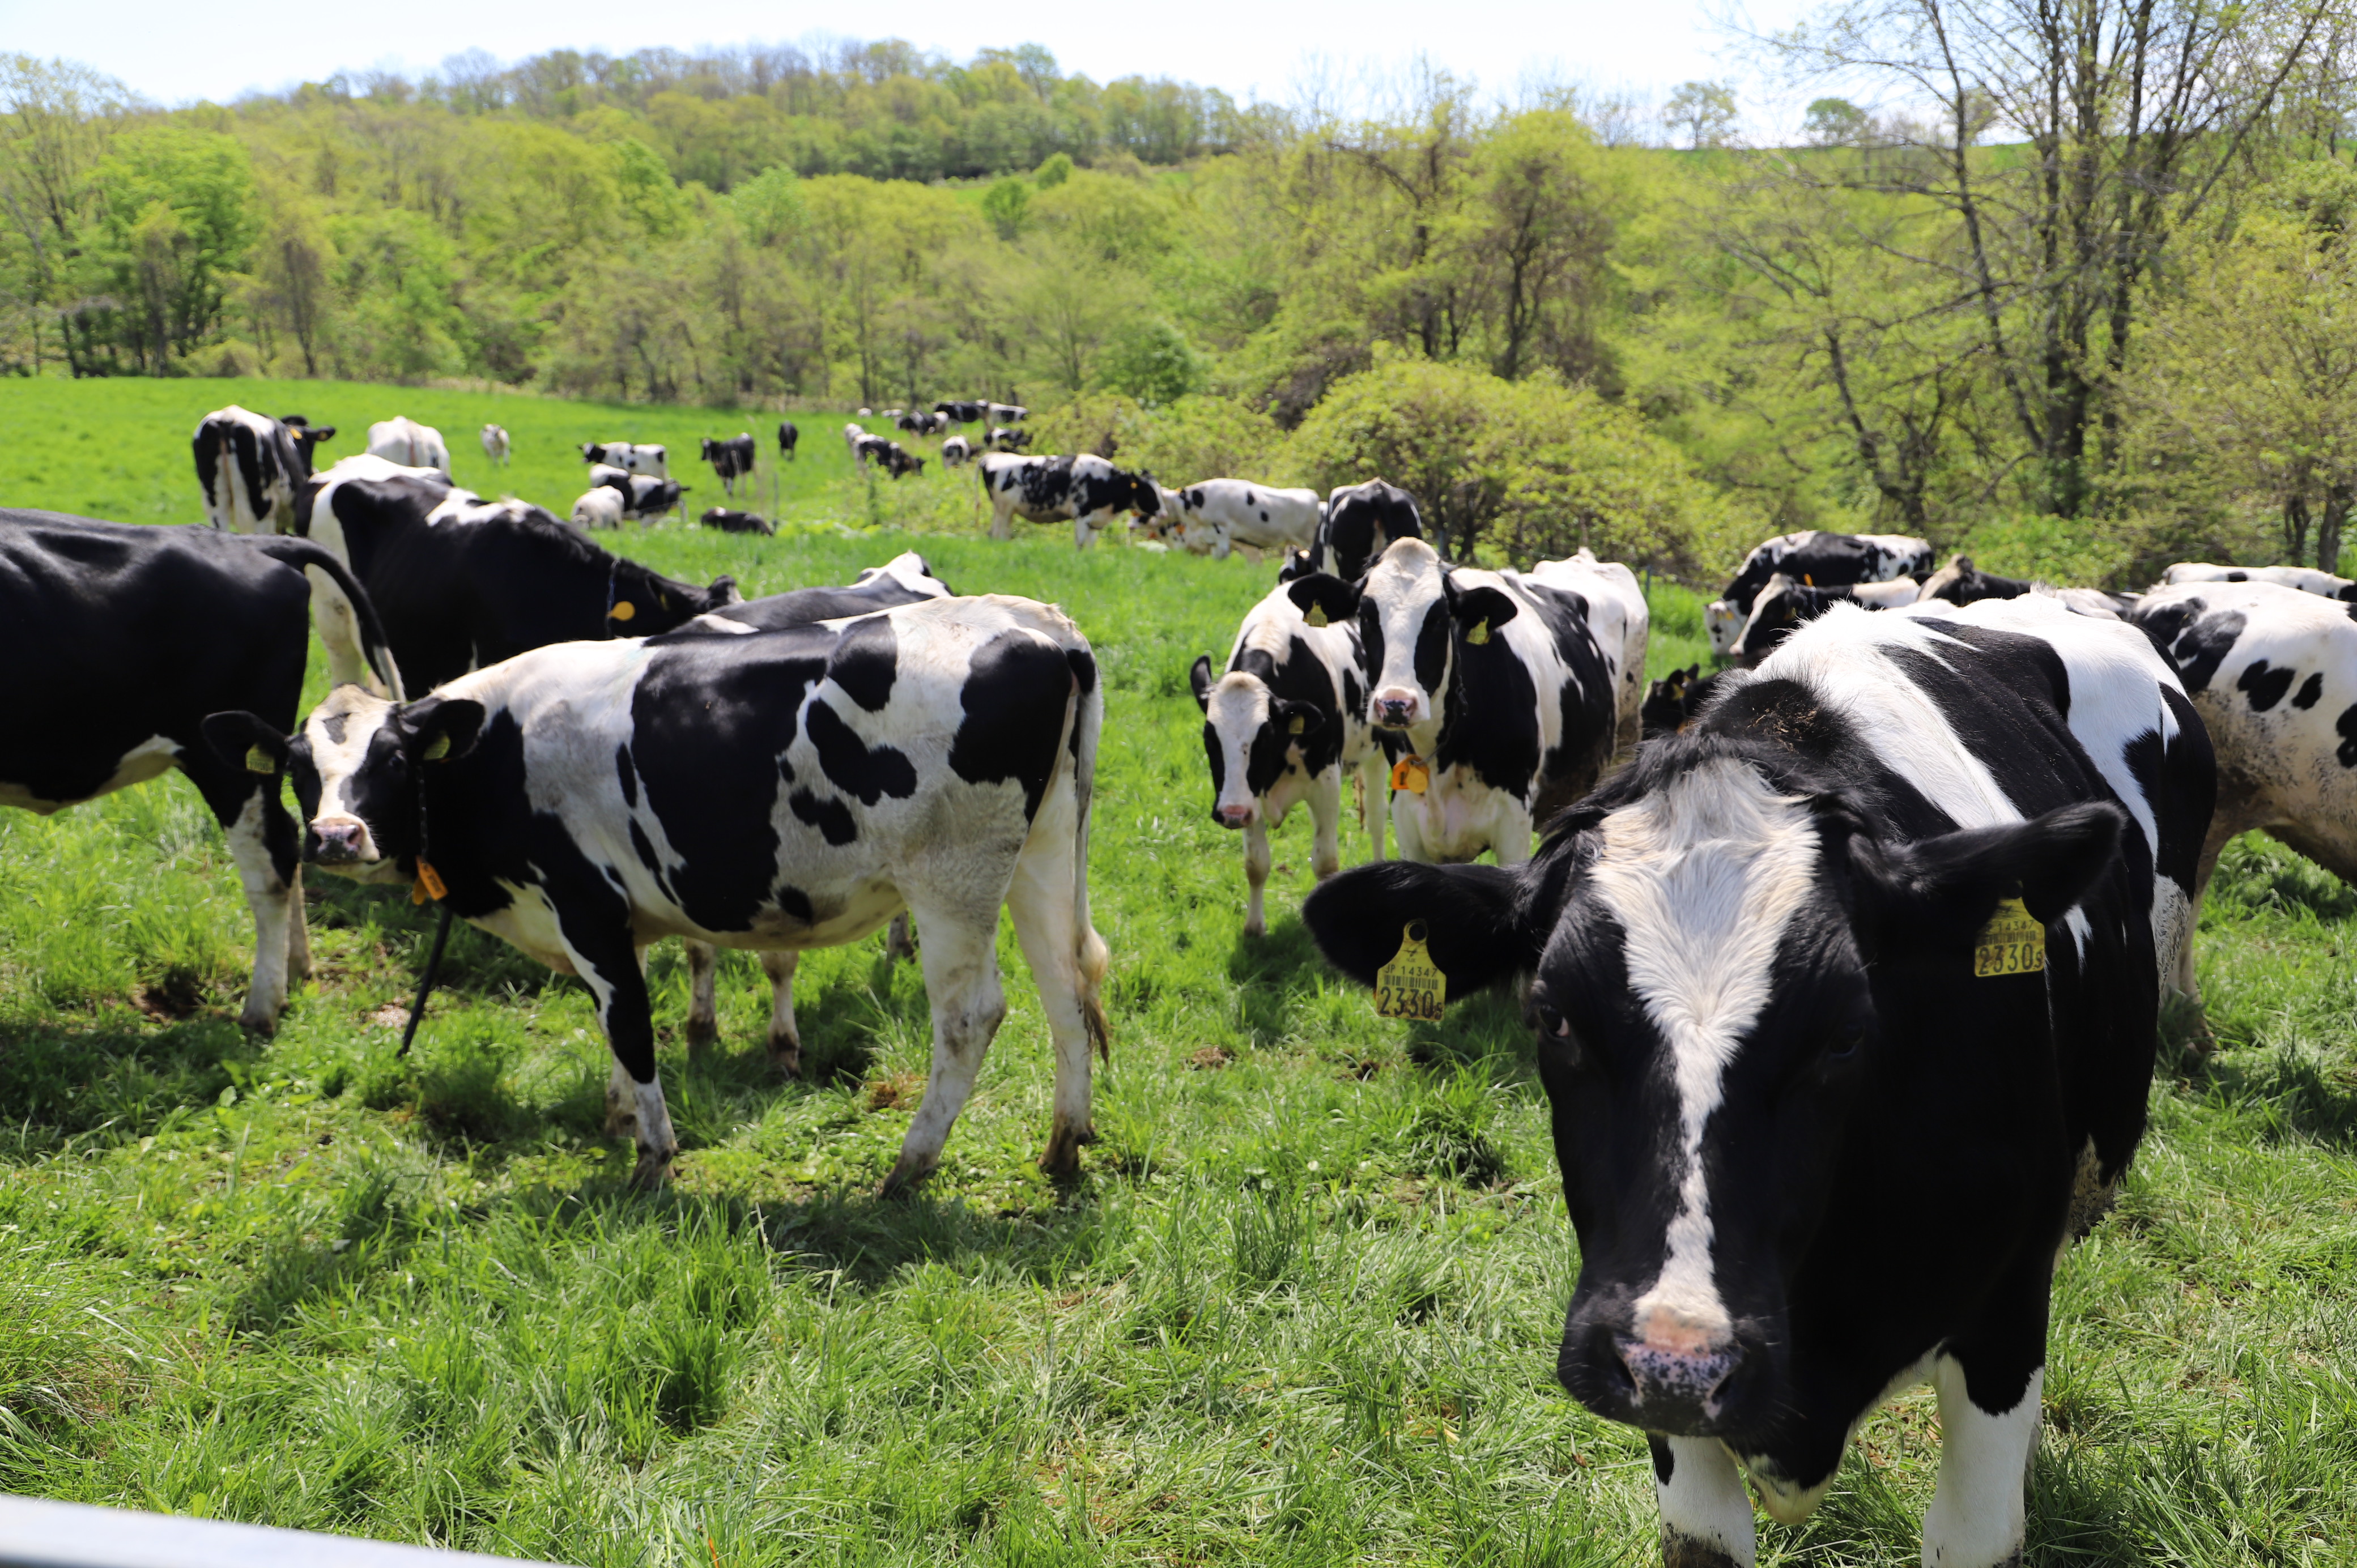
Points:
(1817, 560)
(1004, 414)
(2272, 670)
(1086, 491)
(250, 466)
(2307, 579)
(461, 583)
(120, 640)
(599, 506)
(731, 459)
(1671, 702)
(1962, 582)
(728, 522)
(1004, 439)
(1827, 1102)
(905, 579)
(1785, 603)
(1281, 727)
(1509, 691)
(896, 459)
(853, 434)
(782, 791)
(959, 412)
(1217, 516)
(641, 458)
(643, 496)
(403, 440)
(955, 451)
(788, 435)
(1361, 521)
(496, 445)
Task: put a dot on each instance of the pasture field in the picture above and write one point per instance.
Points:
(1301, 1307)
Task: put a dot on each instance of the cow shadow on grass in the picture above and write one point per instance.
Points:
(114, 1069)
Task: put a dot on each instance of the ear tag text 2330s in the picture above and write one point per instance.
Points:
(1411, 985)
(2013, 943)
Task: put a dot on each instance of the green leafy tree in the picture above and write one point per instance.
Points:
(1151, 360)
(1008, 206)
(178, 219)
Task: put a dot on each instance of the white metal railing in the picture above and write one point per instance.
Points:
(38, 1534)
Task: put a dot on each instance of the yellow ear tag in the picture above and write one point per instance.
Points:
(1479, 634)
(259, 761)
(1411, 985)
(1410, 774)
(439, 750)
(1295, 724)
(429, 885)
(1808, 579)
(624, 610)
(2013, 943)
(1316, 616)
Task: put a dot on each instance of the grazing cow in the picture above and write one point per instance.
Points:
(917, 422)
(1216, 515)
(1282, 725)
(650, 497)
(1826, 1099)
(641, 458)
(1508, 692)
(955, 451)
(403, 440)
(1003, 439)
(119, 640)
(2307, 579)
(1672, 702)
(1361, 521)
(788, 435)
(897, 460)
(1004, 414)
(853, 434)
(495, 445)
(731, 459)
(461, 583)
(959, 412)
(250, 466)
(1817, 560)
(2272, 670)
(600, 507)
(905, 579)
(781, 791)
(1962, 582)
(1785, 603)
(1085, 489)
(728, 522)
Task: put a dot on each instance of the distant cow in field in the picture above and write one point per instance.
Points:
(732, 459)
(1814, 559)
(1671, 702)
(120, 640)
(955, 451)
(1214, 517)
(496, 445)
(601, 506)
(644, 496)
(2307, 579)
(959, 412)
(1002, 438)
(917, 422)
(251, 467)
(641, 458)
(1785, 603)
(1361, 521)
(788, 435)
(403, 440)
(728, 522)
(1005, 413)
(1962, 582)
(895, 459)
(1085, 490)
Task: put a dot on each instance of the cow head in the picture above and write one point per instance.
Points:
(307, 439)
(1723, 620)
(1250, 737)
(356, 767)
(1776, 615)
(1411, 612)
(911, 572)
(1726, 962)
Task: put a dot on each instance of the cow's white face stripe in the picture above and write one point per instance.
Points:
(1238, 707)
(338, 732)
(1703, 877)
(1404, 584)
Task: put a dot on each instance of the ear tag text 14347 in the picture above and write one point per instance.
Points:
(2013, 943)
(1411, 985)
(1409, 773)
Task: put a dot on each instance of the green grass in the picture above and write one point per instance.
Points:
(1302, 1307)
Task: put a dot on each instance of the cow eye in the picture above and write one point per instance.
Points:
(1554, 1029)
(1846, 1045)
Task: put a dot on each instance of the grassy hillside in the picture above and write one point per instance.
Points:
(1301, 1309)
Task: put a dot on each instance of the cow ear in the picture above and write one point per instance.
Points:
(1324, 598)
(247, 741)
(1480, 610)
(1199, 677)
(1468, 913)
(325, 432)
(1940, 892)
(725, 591)
(443, 729)
(1297, 718)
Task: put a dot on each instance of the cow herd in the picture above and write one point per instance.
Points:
(1845, 964)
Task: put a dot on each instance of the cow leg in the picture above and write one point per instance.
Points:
(961, 963)
(1326, 823)
(299, 929)
(1511, 840)
(262, 845)
(1081, 532)
(1041, 901)
(900, 941)
(1706, 1519)
(703, 999)
(785, 1036)
(1002, 516)
(1976, 1516)
(608, 963)
(1407, 827)
(1368, 787)
(1252, 553)
(1256, 863)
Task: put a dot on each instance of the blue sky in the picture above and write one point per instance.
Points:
(175, 52)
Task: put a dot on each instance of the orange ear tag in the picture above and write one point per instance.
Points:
(428, 885)
(1410, 774)
(624, 610)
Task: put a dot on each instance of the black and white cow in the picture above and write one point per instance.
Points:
(854, 432)
(784, 791)
(1962, 582)
(601, 506)
(496, 445)
(2307, 579)
(917, 422)
(250, 466)
(1507, 691)
(895, 459)
(955, 451)
(119, 640)
(460, 583)
(788, 436)
(403, 440)
(1216, 516)
(1002, 438)
(2272, 670)
(1671, 702)
(1786, 602)
(1085, 490)
(1817, 560)
(1004, 414)
(639, 459)
(728, 522)
(643, 496)
(1822, 1132)
(1361, 522)
(731, 459)
(959, 412)
(1282, 724)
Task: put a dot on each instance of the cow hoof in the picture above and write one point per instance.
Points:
(906, 1177)
(786, 1056)
(259, 1021)
(1255, 927)
(653, 1168)
(1062, 1158)
(700, 1032)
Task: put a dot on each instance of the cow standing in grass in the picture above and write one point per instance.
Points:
(1361, 521)
(251, 467)
(1085, 491)
(403, 440)
(496, 445)
(732, 459)
(1814, 559)
(1824, 1122)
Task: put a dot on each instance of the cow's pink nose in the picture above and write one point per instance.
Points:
(1394, 710)
(337, 839)
(1233, 816)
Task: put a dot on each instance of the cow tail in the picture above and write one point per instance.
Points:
(1088, 727)
(340, 597)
